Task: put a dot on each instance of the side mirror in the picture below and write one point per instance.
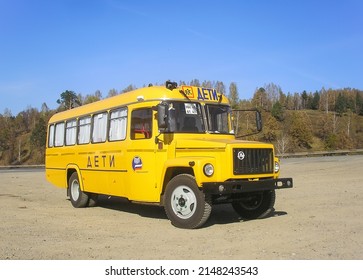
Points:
(258, 121)
(162, 116)
(249, 122)
(166, 118)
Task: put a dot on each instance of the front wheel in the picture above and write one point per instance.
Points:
(78, 197)
(255, 205)
(185, 205)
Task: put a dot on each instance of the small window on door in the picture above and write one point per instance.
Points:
(141, 124)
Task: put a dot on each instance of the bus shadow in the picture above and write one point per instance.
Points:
(221, 214)
(124, 205)
(225, 214)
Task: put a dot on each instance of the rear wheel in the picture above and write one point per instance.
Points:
(78, 198)
(256, 205)
(185, 205)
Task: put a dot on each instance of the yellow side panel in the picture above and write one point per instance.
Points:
(104, 172)
(57, 177)
(140, 180)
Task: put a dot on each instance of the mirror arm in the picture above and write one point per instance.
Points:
(258, 121)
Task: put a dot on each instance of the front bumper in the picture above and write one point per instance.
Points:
(244, 186)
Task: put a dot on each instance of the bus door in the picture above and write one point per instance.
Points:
(141, 157)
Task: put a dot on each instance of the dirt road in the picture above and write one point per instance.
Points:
(320, 218)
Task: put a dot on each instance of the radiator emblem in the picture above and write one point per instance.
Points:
(241, 155)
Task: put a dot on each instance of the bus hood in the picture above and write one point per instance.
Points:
(205, 143)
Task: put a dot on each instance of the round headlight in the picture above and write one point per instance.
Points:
(208, 169)
(277, 166)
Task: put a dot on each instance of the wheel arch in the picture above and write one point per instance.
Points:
(71, 168)
(170, 173)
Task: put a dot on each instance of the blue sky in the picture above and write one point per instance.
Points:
(47, 47)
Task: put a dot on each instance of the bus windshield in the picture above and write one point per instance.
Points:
(219, 119)
(188, 117)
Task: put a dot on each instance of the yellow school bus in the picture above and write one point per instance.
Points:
(166, 145)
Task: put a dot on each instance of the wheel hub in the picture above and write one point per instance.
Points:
(75, 190)
(183, 202)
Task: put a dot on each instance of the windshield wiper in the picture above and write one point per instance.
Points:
(185, 95)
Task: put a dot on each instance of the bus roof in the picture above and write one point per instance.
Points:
(151, 93)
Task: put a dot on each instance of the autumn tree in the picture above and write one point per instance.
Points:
(68, 100)
(220, 87)
(38, 136)
(128, 88)
(288, 102)
(90, 98)
(326, 126)
(300, 130)
(283, 143)
(259, 99)
(4, 132)
(315, 101)
(207, 84)
(44, 108)
(296, 101)
(278, 111)
(304, 98)
(341, 104)
(358, 103)
(233, 95)
(273, 93)
(7, 137)
(271, 129)
(195, 83)
(112, 92)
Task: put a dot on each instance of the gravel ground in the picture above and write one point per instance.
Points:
(320, 218)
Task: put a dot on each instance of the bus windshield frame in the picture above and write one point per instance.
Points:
(187, 116)
(219, 119)
(192, 117)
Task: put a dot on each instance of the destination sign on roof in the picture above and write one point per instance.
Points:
(199, 93)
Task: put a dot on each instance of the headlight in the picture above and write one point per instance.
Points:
(277, 166)
(208, 169)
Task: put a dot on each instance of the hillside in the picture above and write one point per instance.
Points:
(22, 137)
(313, 130)
(300, 122)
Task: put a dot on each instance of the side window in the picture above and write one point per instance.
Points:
(51, 136)
(141, 124)
(118, 123)
(84, 132)
(71, 132)
(59, 135)
(218, 118)
(99, 131)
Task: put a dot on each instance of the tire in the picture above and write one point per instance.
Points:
(256, 206)
(185, 205)
(78, 198)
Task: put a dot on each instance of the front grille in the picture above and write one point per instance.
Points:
(252, 161)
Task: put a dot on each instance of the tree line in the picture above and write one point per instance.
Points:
(321, 120)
